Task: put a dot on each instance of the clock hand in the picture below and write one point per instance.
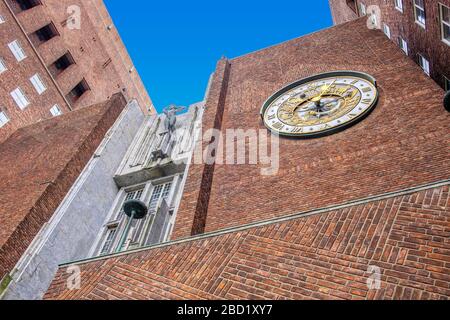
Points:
(327, 89)
(315, 99)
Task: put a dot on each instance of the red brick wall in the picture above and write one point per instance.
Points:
(420, 41)
(39, 165)
(324, 256)
(400, 145)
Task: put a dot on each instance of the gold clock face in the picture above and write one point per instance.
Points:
(320, 105)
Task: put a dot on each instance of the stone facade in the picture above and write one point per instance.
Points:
(426, 41)
(94, 48)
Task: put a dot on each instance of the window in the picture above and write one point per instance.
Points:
(20, 98)
(112, 233)
(109, 240)
(44, 34)
(160, 192)
(445, 23)
(387, 30)
(424, 64)
(2, 20)
(362, 9)
(399, 5)
(61, 64)
(446, 84)
(17, 50)
(78, 91)
(141, 230)
(2, 66)
(419, 12)
(3, 118)
(56, 111)
(38, 84)
(403, 45)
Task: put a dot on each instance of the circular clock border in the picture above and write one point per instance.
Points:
(315, 77)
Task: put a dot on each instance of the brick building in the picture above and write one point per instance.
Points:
(374, 196)
(57, 56)
(421, 28)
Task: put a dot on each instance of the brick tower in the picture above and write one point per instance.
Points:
(371, 200)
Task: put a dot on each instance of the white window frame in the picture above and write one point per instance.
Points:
(403, 45)
(4, 119)
(443, 23)
(38, 84)
(3, 67)
(416, 16)
(115, 218)
(111, 229)
(115, 215)
(424, 64)
(20, 98)
(56, 111)
(387, 30)
(399, 5)
(2, 19)
(362, 9)
(17, 50)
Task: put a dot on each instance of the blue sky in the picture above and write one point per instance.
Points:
(175, 44)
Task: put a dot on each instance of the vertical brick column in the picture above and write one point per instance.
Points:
(192, 215)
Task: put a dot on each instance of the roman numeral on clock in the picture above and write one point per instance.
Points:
(272, 117)
(365, 90)
(278, 125)
(297, 130)
(366, 101)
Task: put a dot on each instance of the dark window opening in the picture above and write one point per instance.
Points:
(61, 64)
(22, 5)
(352, 5)
(44, 34)
(78, 91)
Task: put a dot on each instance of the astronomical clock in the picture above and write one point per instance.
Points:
(320, 105)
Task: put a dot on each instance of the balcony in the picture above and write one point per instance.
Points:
(61, 64)
(43, 34)
(77, 92)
